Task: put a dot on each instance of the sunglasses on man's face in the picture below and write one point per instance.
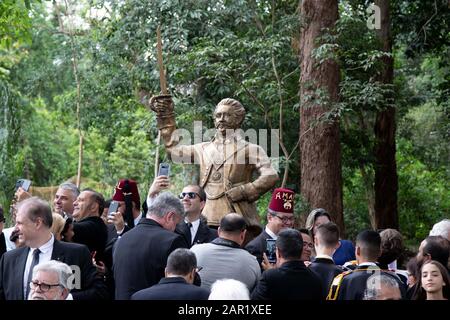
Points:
(191, 195)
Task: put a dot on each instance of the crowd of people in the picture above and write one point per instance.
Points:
(77, 249)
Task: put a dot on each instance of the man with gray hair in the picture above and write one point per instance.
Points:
(381, 286)
(51, 281)
(141, 254)
(65, 196)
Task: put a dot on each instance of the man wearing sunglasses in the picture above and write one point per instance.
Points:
(194, 228)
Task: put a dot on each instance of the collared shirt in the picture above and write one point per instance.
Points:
(194, 228)
(271, 234)
(324, 256)
(44, 256)
(363, 264)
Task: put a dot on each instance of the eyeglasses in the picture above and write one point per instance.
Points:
(44, 287)
(284, 219)
(191, 195)
(308, 244)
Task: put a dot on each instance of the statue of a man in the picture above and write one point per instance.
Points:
(227, 162)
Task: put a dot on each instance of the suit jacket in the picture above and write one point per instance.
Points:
(92, 232)
(12, 268)
(292, 281)
(141, 255)
(326, 270)
(354, 284)
(258, 246)
(204, 233)
(175, 288)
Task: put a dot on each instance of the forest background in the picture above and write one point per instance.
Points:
(86, 68)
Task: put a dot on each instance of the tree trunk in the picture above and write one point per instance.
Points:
(386, 180)
(321, 176)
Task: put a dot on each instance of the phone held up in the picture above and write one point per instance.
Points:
(270, 250)
(24, 183)
(113, 207)
(164, 169)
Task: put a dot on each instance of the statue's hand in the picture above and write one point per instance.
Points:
(235, 194)
(161, 104)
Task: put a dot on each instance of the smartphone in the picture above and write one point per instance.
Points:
(270, 250)
(113, 207)
(164, 169)
(24, 183)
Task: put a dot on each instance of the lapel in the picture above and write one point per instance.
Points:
(21, 263)
(58, 252)
(184, 231)
(201, 231)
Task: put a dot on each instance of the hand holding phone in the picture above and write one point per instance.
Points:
(270, 250)
(164, 169)
(24, 184)
(113, 207)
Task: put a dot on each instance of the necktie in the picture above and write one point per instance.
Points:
(34, 262)
(188, 233)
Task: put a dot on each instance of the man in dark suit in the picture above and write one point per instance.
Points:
(280, 215)
(89, 229)
(326, 241)
(141, 254)
(194, 228)
(33, 222)
(291, 280)
(178, 283)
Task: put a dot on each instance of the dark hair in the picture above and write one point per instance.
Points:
(421, 293)
(290, 244)
(412, 267)
(37, 208)
(232, 223)
(98, 198)
(128, 197)
(181, 262)
(370, 242)
(329, 234)
(391, 246)
(438, 248)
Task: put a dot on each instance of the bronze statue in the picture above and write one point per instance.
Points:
(227, 162)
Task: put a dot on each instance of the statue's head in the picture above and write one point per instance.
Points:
(229, 114)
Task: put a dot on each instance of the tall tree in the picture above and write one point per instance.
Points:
(321, 175)
(386, 180)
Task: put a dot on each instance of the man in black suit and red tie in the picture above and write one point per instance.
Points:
(280, 215)
(33, 222)
(194, 228)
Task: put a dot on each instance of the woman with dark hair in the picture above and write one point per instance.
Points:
(434, 283)
(346, 250)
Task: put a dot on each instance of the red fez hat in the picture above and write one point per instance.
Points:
(282, 200)
(126, 187)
